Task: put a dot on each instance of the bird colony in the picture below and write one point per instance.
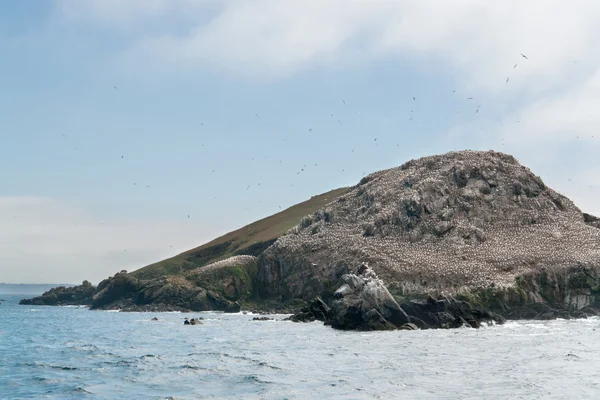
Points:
(455, 221)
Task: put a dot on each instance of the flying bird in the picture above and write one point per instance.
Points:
(515, 66)
(256, 115)
(310, 130)
(469, 98)
(116, 87)
(524, 56)
(414, 98)
(507, 79)
(340, 122)
(344, 101)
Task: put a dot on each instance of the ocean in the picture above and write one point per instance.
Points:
(74, 353)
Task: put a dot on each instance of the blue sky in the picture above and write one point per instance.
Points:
(97, 179)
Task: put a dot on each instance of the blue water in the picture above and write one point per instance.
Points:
(73, 353)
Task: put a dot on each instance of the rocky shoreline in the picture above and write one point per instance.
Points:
(459, 239)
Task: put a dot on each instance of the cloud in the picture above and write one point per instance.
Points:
(481, 39)
(45, 240)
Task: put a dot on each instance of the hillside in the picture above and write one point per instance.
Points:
(461, 222)
(472, 224)
(249, 240)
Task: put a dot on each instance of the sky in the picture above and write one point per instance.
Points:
(133, 130)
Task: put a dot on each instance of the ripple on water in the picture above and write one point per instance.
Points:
(70, 353)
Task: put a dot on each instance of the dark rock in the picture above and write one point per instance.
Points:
(63, 296)
(233, 308)
(154, 319)
(448, 313)
(262, 319)
(317, 310)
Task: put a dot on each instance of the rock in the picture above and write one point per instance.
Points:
(449, 223)
(186, 322)
(409, 327)
(63, 296)
(317, 310)
(262, 319)
(233, 308)
(364, 303)
(447, 312)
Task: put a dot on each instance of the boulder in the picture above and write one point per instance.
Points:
(364, 303)
(316, 311)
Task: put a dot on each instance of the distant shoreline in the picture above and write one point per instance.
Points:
(29, 288)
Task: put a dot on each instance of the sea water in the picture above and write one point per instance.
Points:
(74, 353)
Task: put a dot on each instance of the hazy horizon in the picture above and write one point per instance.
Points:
(134, 131)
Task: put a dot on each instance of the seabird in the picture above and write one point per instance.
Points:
(524, 56)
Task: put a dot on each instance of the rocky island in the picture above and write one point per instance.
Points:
(443, 241)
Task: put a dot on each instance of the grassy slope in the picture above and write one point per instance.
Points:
(251, 239)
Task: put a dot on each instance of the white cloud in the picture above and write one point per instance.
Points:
(44, 240)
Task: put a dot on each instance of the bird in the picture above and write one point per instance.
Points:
(344, 101)
(256, 115)
(63, 135)
(469, 98)
(116, 87)
(248, 188)
(454, 91)
(414, 98)
(507, 79)
(515, 66)
(353, 150)
(524, 56)
(201, 124)
(340, 122)
(122, 156)
(188, 216)
(375, 140)
(310, 130)
(147, 186)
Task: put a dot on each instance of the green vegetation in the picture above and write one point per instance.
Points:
(249, 240)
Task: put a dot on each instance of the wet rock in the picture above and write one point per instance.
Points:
(233, 308)
(154, 319)
(262, 319)
(409, 327)
(317, 310)
(447, 312)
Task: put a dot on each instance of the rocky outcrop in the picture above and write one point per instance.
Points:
(591, 220)
(64, 296)
(364, 303)
(464, 222)
(220, 287)
(316, 311)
